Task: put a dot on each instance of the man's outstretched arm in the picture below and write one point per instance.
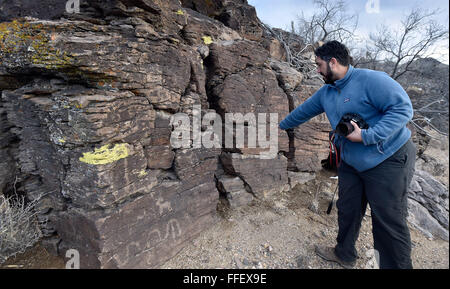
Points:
(304, 112)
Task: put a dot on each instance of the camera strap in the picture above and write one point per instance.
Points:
(334, 151)
(334, 157)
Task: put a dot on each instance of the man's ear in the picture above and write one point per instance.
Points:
(333, 61)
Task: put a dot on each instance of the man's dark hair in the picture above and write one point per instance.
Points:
(334, 49)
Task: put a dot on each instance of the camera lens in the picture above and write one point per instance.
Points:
(344, 128)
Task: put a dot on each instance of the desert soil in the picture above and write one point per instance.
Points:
(279, 232)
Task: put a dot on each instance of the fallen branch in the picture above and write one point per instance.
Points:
(429, 124)
(428, 105)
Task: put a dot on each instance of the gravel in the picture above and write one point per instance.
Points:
(280, 233)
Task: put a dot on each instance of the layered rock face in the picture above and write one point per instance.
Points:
(86, 120)
(428, 205)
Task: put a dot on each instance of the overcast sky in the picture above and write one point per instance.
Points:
(280, 13)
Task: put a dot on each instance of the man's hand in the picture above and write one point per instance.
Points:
(290, 132)
(355, 136)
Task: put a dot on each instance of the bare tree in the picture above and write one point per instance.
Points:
(418, 33)
(368, 57)
(296, 51)
(330, 22)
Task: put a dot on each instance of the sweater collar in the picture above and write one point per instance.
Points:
(343, 81)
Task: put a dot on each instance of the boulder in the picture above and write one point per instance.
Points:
(273, 45)
(288, 77)
(201, 30)
(234, 190)
(428, 204)
(91, 122)
(433, 155)
(421, 219)
(296, 178)
(237, 15)
(263, 177)
(86, 117)
(240, 81)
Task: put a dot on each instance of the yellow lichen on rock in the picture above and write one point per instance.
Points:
(143, 173)
(105, 155)
(207, 40)
(25, 42)
(180, 12)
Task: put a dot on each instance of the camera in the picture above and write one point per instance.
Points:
(344, 126)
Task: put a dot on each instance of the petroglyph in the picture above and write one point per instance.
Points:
(173, 227)
(173, 230)
(163, 205)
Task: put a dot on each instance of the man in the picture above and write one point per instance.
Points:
(377, 163)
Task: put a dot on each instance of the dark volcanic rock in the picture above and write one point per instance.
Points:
(262, 176)
(311, 138)
(428, 205)
(233, 188)
(86, 109)
(240, 81)
(237, 15)
(93, 134)
(46, 9)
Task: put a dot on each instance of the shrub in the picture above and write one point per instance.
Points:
(18, 226)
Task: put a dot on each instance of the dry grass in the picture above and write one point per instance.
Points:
(19, 228)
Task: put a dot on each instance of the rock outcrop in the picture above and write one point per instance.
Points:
(86, 120)
(88, 112)
(428, 205)
(237, 15)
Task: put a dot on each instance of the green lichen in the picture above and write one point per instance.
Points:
(24, 43)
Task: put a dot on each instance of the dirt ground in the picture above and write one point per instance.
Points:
(279, 232)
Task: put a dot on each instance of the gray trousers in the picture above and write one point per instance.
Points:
(385, 189)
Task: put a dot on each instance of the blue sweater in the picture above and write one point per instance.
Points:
(379, 99)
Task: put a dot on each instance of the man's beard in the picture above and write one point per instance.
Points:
(329, 77)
